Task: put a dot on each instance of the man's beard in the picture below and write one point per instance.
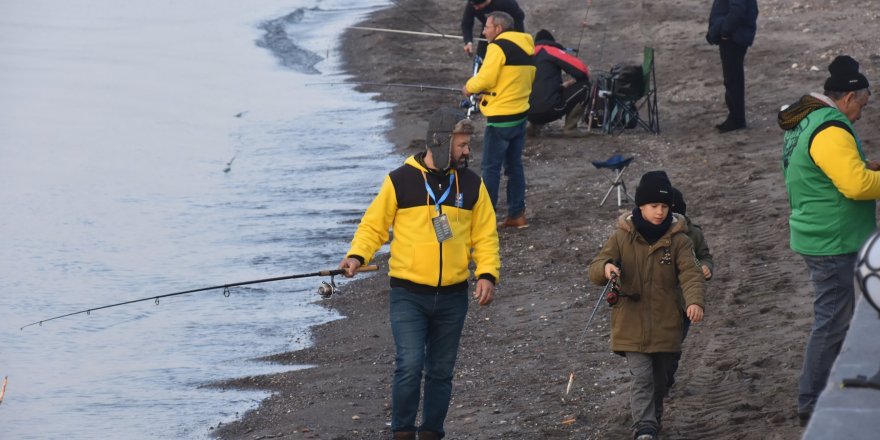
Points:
(461, 163)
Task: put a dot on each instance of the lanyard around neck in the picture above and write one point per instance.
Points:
(431, 194)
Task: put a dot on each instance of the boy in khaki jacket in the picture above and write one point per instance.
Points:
(652, 257)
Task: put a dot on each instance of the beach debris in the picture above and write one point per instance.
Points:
(240, 114)
(570, 381)
(355, 418)
(569, 420)
(3, 388)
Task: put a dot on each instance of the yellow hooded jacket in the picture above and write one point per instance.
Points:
(418, 261)
(506, 77)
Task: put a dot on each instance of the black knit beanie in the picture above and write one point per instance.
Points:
(654, 187)
(544, 35)
(845, 76)
(678, 204)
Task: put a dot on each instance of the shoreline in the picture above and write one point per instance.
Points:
(739, 370)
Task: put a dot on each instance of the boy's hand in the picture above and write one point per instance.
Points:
(707, 273)
(611, 269)
(695, 313)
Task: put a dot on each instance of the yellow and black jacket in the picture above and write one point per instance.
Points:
(506, 78)
(418, 261)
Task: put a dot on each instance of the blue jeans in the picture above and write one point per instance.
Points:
(504, 146)
(426, 329)
(832, 278)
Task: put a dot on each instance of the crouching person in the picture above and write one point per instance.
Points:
(651, 256)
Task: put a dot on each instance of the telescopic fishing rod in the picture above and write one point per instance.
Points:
(400, 31)
(366, 83)
(326, 291)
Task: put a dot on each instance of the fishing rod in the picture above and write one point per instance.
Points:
(366, 83)
(399, 31)
(583, 26)
(416, 17)
(326, 290)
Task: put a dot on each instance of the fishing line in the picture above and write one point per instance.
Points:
(583, 26)
(225, 287)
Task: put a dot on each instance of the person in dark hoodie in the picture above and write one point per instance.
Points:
(832, 191)
(646, 321)
(480, 10)
(732, 26)
(551, 97)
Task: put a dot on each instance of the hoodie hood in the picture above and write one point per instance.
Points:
(792, 115)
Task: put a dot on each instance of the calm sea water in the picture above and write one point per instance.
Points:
(117, 122)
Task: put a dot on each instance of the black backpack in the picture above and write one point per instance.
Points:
(628, 80)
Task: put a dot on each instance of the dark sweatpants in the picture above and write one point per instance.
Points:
(732, 58)
(571, 96)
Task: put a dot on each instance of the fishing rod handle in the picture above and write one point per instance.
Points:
(369, 268)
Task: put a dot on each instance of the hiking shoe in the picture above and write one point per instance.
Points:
(646, 434)
(404, 435)
(516, 222)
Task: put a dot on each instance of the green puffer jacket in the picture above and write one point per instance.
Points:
(653, 323)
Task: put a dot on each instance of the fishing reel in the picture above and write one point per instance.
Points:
(612, 297)
(326, 290)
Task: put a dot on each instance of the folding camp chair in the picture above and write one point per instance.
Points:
(620, 104)
(617, 165)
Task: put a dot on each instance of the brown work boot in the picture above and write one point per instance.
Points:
(404, 435)
(429, 435)
(570, 129)
(516, 222)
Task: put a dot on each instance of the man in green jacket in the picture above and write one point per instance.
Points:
(832, 191)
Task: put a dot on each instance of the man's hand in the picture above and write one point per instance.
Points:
(611, 269)
(469, 49)
(351, 266)
(464, 91)
(873, 165)
(707, 273)
(484, 293)
(695, 313)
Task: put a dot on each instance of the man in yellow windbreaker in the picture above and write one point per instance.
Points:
(505, 83)
(442, 219)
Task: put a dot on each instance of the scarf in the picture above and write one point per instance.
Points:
(648, 230)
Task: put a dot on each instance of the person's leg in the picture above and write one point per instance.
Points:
(494, 150)
(732, 59)
(444, 333)
(641, 367)
(832, 279)
(662, 364)
(409, 325)
(516, 180)
(686, 325)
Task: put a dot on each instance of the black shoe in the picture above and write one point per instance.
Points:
(646, 434)
(804, 417)
(729, 125)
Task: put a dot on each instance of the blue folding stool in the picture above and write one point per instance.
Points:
(616, 164)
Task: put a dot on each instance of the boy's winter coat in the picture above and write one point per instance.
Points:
(653, 323)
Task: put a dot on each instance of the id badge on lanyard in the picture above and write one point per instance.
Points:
(442, 228)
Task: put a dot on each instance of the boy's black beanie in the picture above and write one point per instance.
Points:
(654, 187)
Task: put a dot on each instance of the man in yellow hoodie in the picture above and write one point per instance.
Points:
(505, 83)
(442, 220)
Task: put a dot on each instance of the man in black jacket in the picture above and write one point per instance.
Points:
(732, 26)
(480, 9)
(551, 97)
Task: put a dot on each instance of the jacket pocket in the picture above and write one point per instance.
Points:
(424, 267)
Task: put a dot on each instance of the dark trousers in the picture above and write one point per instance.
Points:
(732, 57)
(571, 96)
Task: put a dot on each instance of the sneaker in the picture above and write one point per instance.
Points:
(516, 222)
